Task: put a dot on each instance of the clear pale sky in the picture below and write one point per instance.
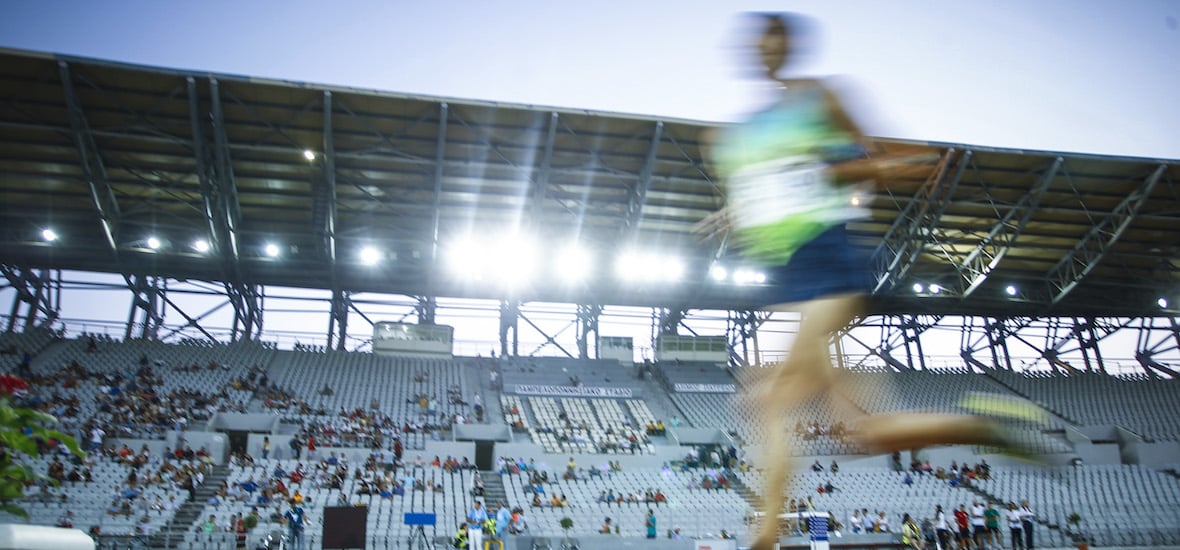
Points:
(1064, 75)
(1068, 75)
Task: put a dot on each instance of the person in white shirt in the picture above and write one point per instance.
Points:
(942, 528)
(1015, 525)
(978, 525)
(1026, 523)
(854, 522)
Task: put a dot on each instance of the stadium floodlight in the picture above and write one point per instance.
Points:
(648, 267)
(918, 288)
(513, 259)
(370, 255)
(1010, 290)
(201, 245)
(272, 250)
(153, 243)
(309, 154)
(574, 264)
(49, 235)
(1162, 302)
(465, 257)
(718, 273)
(935, 289)
(749, 277)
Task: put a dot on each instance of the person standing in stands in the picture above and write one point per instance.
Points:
(296, 446)
(295, 526)
(650, 524)
(911, 535)
(992, 519)
(1027, 516)
(475, 523)
(1015, 526)
(265, 447)
(791, 172)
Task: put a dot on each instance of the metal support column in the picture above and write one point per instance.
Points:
(742, 331)
(147, 306)
(588, 315)
(247, 301)
(93, 170)
(509, 322)
(38, 294)
(340, 305)
(425, 309)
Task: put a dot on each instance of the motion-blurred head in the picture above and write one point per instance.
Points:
(780, 38)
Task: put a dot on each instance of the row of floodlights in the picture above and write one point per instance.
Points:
(1010, 290)
(367, 255)
(515, 260)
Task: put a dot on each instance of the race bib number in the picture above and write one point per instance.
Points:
(768, 192)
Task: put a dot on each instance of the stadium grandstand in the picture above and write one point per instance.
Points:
(289, 266)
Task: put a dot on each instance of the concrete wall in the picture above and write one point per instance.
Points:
(253, 422)
(1154, 455)
(1100, 453)
(555, 462)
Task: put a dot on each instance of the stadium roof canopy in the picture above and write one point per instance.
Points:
(108, 155)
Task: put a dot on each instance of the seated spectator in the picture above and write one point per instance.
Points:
(606, 527)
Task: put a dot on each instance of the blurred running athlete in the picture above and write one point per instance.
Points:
(790, 172)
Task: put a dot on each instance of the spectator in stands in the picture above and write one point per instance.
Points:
(911, 534)
(978, 523)
(992, 522)
(942, 528)
(817, 467)
(606, 527)
(265, 447)
(296, 446)
(57, 470)
(1015, 525)
(475, 520)
(518, 525)
(650, 524)
(963, 522)
(295, 520)
(1027, 516)
(907, 480)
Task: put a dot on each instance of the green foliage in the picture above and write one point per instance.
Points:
(20, 431)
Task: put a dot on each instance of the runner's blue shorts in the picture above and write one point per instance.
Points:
(827, 266)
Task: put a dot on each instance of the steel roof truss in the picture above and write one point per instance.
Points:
(1097, 242)
(93, 169)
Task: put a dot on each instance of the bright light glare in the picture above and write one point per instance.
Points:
(201, 245)
(718, 273)
(1011, 290)
(49, 235)
(510, 260)
(309, 154)
(573, 264)
(637, 266)
(935, 289)
(153, 243)
(749, 277)
(1163, 302)
(918, 288)
(370, 255)
(272, 250)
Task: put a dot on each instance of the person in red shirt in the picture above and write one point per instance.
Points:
(962, 520)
